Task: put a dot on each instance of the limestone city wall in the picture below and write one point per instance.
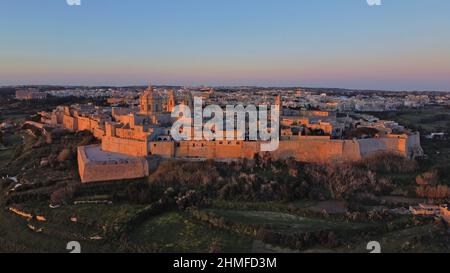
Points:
(70, 123)
(317, 149)
(164, 149)
(308, 149)
(92, 171)
(125, 146)
(377, 145)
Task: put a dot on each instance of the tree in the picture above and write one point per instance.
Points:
(438, 192)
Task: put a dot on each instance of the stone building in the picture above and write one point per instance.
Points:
(30, 94)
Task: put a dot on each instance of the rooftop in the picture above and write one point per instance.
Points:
(95, 154)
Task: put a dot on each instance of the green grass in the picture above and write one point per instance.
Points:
(59, 230)
(100, 214)
(416, 118)
(240, 205)
(395, 241)
(285, 222)
(176, 232)
(14, 231)
(5, 157)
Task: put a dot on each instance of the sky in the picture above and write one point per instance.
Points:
(400, 45)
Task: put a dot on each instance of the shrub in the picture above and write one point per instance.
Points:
(390, 163)
(428, 178)
(62, 196)
(438, 192)
(341, 180)
(138, 193)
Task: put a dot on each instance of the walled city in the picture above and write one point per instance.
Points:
(132, 136)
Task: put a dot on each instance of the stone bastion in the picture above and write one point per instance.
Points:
(95, 165)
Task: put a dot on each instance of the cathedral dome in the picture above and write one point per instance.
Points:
(150, 101)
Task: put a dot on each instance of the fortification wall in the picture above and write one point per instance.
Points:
(229, 149)
(87, 124)
(136, 134)
(311, 150)
(195, 149)
(316, 149)
(164, 149)
(351, 150)
(57, 117)
(96, 171)
(373, 146)
(414, 147)
(98, 133)
(70, 123)
(212, 149)
(306, 149)
(125, 146)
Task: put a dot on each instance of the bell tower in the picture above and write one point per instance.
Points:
(171, 101)
(278, 101)
(150, 102)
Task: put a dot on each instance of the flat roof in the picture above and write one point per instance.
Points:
(94, 153)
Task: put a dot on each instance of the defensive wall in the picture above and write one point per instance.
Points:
(95, 165)
(125, 146)
(79, 123)
(306, 149)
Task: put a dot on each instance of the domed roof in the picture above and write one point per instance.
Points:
(149, 92)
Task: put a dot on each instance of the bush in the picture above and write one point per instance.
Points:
(342, 180)
(428, 178)
(390, 163)
(138, 193)
(62, 196)
(64, 155)
(439, 192)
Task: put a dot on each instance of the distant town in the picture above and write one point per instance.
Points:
(327, 99)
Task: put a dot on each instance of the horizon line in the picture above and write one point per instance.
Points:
(220, 86)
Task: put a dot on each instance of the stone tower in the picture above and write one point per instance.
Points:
(278, 101)
(150, 102)
(171, 101)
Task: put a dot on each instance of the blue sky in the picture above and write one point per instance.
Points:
(401, 45)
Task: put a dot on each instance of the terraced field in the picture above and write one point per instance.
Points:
(284, 222)
(176, 232)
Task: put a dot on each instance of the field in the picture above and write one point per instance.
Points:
(427, 120)
(176, 232)
(284, 222)
(91, 221)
